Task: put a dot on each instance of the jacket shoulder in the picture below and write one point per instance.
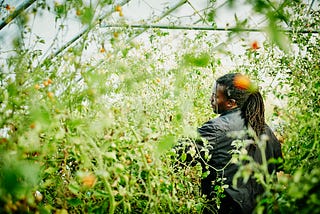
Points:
(222, 124)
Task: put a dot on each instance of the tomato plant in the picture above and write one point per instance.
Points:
(90, 128)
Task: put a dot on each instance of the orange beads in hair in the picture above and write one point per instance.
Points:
(243, 82)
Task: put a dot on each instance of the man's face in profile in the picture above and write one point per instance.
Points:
(218, 99)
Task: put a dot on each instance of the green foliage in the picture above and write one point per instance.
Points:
(100, 134)
(201, 61)
(87, 15)
(94, 135)
(297, 75)
(18, 179)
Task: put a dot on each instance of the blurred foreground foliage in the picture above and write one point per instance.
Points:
(95, 136)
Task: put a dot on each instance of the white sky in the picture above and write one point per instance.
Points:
(135, 12)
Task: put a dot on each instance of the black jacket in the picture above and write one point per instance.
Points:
(217, 132)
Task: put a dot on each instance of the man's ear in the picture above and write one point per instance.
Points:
(232, 103)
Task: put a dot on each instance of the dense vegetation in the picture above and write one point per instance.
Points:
(94, 134)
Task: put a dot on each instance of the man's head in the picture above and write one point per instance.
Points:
(226, 96)
(236, 91)
(219, 101)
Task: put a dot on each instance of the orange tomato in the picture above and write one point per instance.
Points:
(50, 95)
(118, 8)
(37, 86)
(254, 45)
(115, 34)
(89, 180)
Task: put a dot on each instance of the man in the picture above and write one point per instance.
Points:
(241, 108)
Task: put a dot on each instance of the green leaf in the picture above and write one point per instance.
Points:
(50, 170)
(87, 15)
(211, 15)
(12, 90)
(165, 144)
(40, 114)
(74, 188)
(205, 174)
(60, 9)
(276, 35)
(74, 201)
(18, 177)
(183, 157)
(201, 60)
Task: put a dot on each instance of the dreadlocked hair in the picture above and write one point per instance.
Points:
(253, 113)
(250, 103)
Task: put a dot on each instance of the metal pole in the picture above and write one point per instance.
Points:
(16, 13)
(205, 28)
(89, 28)
(86, 30)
